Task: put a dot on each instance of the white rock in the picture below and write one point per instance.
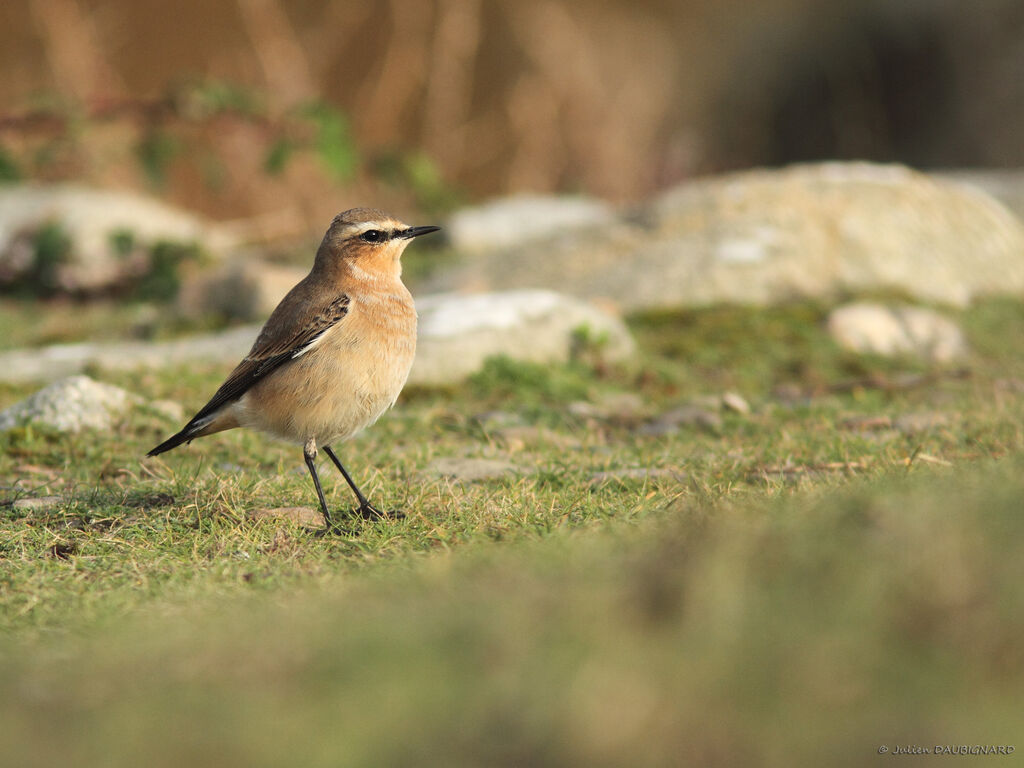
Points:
(515, 220)
(768, 236)
(90, 217)
(71, 405)
(458, 333)
(735, 402)
(897, 330)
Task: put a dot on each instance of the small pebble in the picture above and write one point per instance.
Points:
(735, 402)
(686, 415)
(38, 503)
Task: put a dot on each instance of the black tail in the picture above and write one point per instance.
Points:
(189, 432)
(173, 442)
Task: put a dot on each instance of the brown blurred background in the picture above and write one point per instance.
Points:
(461, 99)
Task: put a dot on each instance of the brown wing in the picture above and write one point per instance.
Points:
(269, 353)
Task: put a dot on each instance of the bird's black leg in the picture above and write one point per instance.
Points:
(309, 453)
(366, 509)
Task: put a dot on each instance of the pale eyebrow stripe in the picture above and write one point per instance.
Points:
(358, 229)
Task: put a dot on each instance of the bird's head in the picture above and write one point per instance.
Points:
(367, 240)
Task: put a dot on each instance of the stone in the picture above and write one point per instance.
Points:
(245, 288)
(686, 415)
(308, 517)
(92, 219)
(870, 328)
(471, 470)
(618, 407)
(71, 405)
(768, 236)
(457, 334)
(735, 402)
(512, 221)
(37, 504)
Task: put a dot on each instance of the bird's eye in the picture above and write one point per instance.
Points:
(373, 236)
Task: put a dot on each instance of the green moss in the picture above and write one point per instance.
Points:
(163, 278)
(51, 249)
(10, 170)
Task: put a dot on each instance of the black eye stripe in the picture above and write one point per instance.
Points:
(375, 236)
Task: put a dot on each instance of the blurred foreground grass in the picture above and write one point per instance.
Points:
(806, 583)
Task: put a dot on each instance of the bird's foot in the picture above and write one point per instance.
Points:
(333, 528)
(365, 511)
(369, 512)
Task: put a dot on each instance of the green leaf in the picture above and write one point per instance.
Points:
(334, 143)
(156, 151)
(278, 156)
(9, 170)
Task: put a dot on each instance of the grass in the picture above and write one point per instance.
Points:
(837, 570)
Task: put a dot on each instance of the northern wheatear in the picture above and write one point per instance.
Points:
(334, 354)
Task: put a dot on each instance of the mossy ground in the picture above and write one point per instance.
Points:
(811, 581)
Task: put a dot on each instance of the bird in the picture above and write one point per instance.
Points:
(332, 357)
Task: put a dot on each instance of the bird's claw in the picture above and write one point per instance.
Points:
(369, 512)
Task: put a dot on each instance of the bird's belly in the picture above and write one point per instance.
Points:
(329, 397)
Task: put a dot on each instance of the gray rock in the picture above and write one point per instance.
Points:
(245, 288)
(516, 220)
(90, 217)
(622, 407)
(458, 333)
(686, 415)
(71, 405)
(767, 236)
(471, 470)
(897, 330)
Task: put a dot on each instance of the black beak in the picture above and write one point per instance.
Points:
(411, 232)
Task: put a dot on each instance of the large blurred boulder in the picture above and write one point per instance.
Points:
(768, 236)
(87, 240)
(458, 333)
(1005, 185)
(519, 219)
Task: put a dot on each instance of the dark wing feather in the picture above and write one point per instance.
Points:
(266, 356)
